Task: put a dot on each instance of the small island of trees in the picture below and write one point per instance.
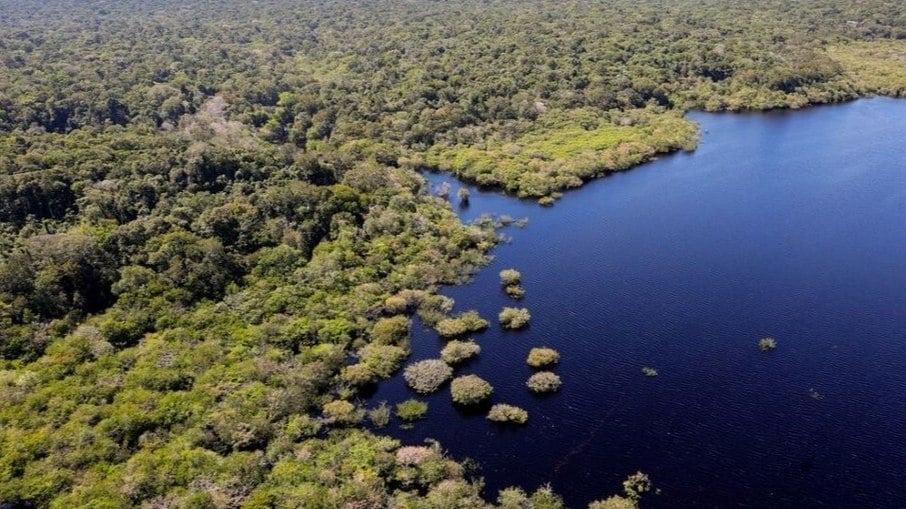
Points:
(544, 382)
(428, 375)
(507, 413)
(514, 318)
(767, 344)
(541, 357)
(470, 390)
(456, 351)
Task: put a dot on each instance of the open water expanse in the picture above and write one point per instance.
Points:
(788, 224)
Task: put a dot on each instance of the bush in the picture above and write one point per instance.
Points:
(380, 415)
(470, 321)
(383, 360)
(458, 351)
(544, 381)
(463, 195)
(514, 318)
(391, 331)
(470, 390)
(515, 291)
(358, 375)
(542, 357)
(507, 413)
(428, 375)
(767, 344)
(649, 371)
(411, 410)
(342, 413)
(614, 502)
(510, 277)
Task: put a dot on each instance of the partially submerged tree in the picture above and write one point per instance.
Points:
(541, 357)
(470, 390)
(543, 382)
(457, 351)
(428, 375)
(514, 318)
(507, 413)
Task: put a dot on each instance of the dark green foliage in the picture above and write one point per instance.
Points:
(208, 211)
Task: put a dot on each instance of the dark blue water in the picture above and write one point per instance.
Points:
(791, 225)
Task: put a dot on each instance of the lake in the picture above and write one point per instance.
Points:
(782, 224)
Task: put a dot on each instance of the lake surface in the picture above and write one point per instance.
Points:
(791, 225)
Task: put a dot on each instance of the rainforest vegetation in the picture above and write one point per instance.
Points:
(213, 233)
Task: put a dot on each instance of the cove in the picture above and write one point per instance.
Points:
(782, 224)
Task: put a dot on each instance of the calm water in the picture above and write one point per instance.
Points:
(791, 225)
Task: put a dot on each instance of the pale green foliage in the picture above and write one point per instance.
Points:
(380, 415)
(544, 381)
(507, 413)
(467, 322)
(340, 412)
(470, 390)
(614, 502)
(383, 360)
(515, 291)
(510, 277)
(514, 318)
(541, 357)
(767, 344)
(636, 485)
(457, 351)
(411, 410)
(391, 331)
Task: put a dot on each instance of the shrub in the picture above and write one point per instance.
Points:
(509, 277)
(391, 331)
(514, 318)
(380, 415)
(342, 413)
(634, 487)
(428, 375)
(470, 321)
(383, 360)
(413, 455)
(767, 344)
(649, 371)
(411, 410)
(544, 381)
(542, 357)
(470, 390)
(463, 195)
(515, 291)
(458, 351)
(358, 375)
(614, 502)
(507, 413)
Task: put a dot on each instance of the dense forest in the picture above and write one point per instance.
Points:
(213, 232)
